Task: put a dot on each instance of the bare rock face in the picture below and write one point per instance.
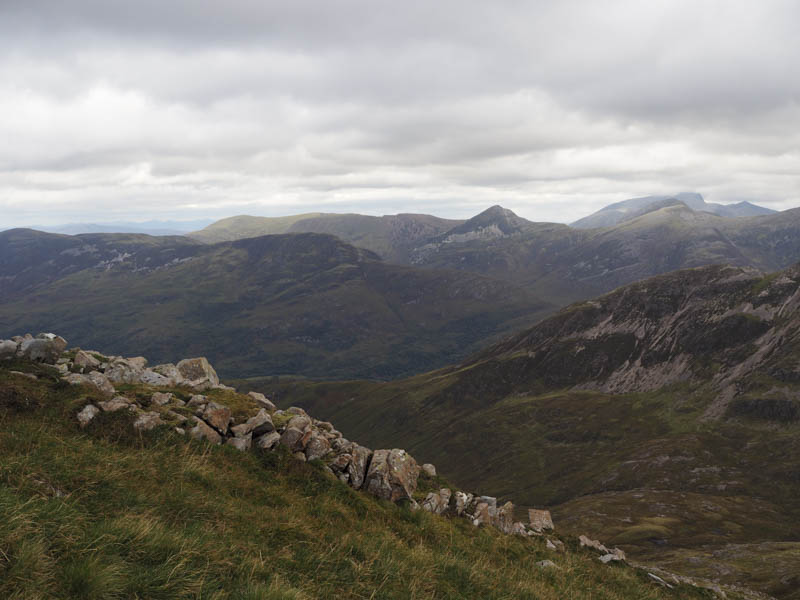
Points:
(202, 431)
(540, 519)
(357, 467)
(392, 475)
(198, 373)
(218, 416)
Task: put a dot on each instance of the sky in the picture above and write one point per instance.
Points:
(191, 109)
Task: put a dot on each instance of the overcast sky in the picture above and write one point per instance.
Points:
(164, 109)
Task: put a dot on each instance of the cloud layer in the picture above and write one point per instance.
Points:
(117, 110)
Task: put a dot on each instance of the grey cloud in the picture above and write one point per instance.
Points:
(556, 107)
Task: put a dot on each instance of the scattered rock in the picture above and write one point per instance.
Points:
(85, 361)
(45, 348)
(115, 404)
(317, 447)
(546, 564)
(429, 470)
(161, 398)
(607, 558)
(147, 421)
(659, 581)
(437, 502)
(8, 349)
(94, 379)
(21, 374)
(89, 412)
(392, 475)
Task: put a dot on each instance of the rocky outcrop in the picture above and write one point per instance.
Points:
(388, 474)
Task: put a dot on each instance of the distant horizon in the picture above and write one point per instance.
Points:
(172, 223)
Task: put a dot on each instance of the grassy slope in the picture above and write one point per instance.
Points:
(104, 513)
(244, 226)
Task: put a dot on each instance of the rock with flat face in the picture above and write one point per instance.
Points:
(122, 371)
(85, 361)
(147, 421)
(504, 519)
(392, 475)
(150, 377)
(202, 431)
(89, 412)
(269, 440)
(263, 401)
(295, 439)
(357, 469)
(198, 373)
(218, 416)
(261, 423)
(540, 519)
(169, 372)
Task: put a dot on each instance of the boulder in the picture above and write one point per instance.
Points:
(339, 464)
(607, 558)
(44, 349)
(437, 502)
(123, 371)
(89, 412)
(198, 373)
(263, 401)
(241, 443)
(261, 423)
(197, 400)
(504, 519)
(94, 379)
(546, 564)
(85, 361)
(357, 469)
(8, 349)
(169, 372)
(269, 440)
(540, 519)
(429, 470)
(138, 362)
(147, 421)
(392, 475)
(295, 439)
(317, 446)
(115, 404)
(202, 431)
(301, 422)
(218, 416)
(150, 377)
(161, 398)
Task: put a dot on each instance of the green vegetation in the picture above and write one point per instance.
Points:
(109, 513)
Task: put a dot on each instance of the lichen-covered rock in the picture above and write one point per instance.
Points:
(263, 401)
(357, 468)
(169, 372)
(89, 412)
(94, 379)
(437, 502)
(198, 373)
(147, 421)
(540, 520)
(295, 439)
(123, 371)
(392, 475)
(218, 416)
(317, 447)
(463, 500)
(202, 431)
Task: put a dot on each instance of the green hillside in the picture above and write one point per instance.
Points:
(110, 512)
(662, 417)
